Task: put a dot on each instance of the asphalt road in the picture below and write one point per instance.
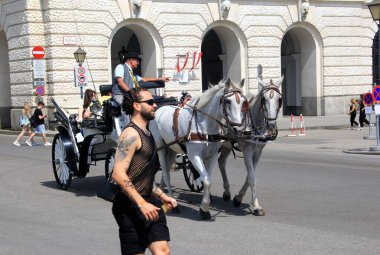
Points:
(318, 200)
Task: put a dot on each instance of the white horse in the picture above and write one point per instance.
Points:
(263, 112)
(197, 129)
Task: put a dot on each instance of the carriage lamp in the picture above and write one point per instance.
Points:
(122, 54)
(80, 56)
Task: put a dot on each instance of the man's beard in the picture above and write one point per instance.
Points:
(147, 115)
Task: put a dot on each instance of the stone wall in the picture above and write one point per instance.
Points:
(344, 33)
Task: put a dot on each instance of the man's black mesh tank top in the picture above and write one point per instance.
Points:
(144, 164)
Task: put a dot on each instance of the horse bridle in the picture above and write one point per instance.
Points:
(272, 89)
(238, 94)
(258, 128)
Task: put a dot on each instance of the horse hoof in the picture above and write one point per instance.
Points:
(236, 202)
(176, 210)
(259, 212)
(226, 197)
(205, 215)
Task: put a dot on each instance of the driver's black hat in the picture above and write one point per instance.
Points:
(132, 54)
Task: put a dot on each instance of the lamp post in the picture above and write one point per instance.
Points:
(80, 56)
(374, 8)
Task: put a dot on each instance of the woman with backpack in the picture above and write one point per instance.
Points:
(24, 123)
(352, 113)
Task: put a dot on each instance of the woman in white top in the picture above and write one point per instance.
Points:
(24, 123)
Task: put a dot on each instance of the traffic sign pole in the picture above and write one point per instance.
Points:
(377, 112)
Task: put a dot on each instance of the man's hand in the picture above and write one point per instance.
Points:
(169, 201)
(165, 79)
(149, 211)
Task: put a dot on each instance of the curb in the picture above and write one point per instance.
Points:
(49, 133)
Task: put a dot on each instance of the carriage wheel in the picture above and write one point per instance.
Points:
(63, 164)
(191, 175)
(110, 161)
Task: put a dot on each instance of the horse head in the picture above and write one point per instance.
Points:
(234, 106)
(266, 106)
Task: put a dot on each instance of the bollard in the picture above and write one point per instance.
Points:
(302, 126)
(292, 126)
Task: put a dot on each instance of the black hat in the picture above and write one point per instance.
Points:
(132, 54)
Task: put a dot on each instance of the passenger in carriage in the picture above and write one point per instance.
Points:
(104, 96)
(186, 97)
(84, 112)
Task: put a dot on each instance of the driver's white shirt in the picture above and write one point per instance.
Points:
(119, 72)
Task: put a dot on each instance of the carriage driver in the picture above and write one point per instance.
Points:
(125, 79)
(142, 223)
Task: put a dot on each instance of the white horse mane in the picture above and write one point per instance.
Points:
(205, 99)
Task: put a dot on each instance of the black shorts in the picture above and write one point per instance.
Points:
(135, 232)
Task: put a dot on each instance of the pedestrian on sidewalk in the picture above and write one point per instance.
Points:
(362, 115)
(24, 123)
(40, 125)
(352, 113)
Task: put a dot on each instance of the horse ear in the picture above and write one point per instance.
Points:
(242, 83)
(228, 84)
(279, 82)
(261, 84)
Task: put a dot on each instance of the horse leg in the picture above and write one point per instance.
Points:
(252, 154)
(165, 155)
(197, 162)
(222, 160)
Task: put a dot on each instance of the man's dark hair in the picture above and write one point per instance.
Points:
(41, 103)
(133, 95)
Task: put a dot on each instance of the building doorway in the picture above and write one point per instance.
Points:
(301, 88)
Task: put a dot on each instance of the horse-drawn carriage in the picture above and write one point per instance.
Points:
(77, 146)
(220, 115)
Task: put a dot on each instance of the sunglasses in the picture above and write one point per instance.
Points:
(150, 102)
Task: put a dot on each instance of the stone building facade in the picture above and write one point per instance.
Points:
(323, 48)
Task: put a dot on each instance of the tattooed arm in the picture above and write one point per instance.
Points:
(129, 143)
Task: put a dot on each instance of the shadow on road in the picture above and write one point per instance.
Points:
(81, 187)
(189, 206)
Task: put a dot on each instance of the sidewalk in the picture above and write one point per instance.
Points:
(283, 123)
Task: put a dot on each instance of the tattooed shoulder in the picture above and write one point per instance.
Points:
(126, 142)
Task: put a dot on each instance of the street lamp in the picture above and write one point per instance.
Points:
(80, 56)
(374, 8)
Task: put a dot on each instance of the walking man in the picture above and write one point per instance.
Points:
(40, 125)
(137, 207)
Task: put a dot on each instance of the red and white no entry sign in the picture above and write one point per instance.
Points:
(38, 52)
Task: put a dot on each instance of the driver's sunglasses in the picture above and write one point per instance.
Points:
(150, 102)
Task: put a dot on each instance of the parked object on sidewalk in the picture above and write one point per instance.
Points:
(302, 126)
(292, 126)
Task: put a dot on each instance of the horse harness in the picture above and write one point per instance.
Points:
(198, 136)
(256, 129)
